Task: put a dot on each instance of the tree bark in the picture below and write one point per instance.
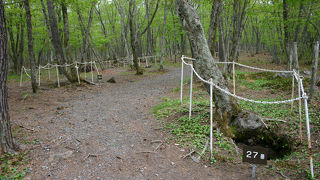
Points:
(215, 11)
(228, 112)
(7, 142)
(314, 70)
(163, 36)
(21, 46)
(30, 47)
(133, 36)
(56, 41)
(66, 39)
(285, 25)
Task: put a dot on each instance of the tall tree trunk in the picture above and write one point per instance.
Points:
(133, 35)
(7, 142)
(314, 70)
(123, 27)
(30, 47)
(66, 39)
(215, 11)
(228, 112)
(163, 35)
(21, 46)
(43, 8)
(56, 41)
(285, 26)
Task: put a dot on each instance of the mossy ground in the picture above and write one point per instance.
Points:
(194, 133)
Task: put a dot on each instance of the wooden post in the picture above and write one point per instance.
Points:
(300, 113)
(295, 57)
(314, 70)
(211, 118)
(234, 78)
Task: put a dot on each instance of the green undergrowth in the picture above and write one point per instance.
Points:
(266, 80)
(13, 166)
(195, 132)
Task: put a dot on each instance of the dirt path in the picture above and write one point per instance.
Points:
(108, 132)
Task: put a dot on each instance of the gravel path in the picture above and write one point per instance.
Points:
(110, 133)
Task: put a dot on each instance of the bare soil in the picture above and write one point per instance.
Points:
(107, 131)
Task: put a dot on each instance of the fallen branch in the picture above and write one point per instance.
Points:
(191, 152)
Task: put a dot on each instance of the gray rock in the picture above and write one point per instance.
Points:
(307, 73)
(282, 75)
(111, 80)
(58, 156)
(248, 121)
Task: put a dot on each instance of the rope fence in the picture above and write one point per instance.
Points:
(295, 77)
(91, 64)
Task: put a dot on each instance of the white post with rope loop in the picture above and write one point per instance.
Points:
(190, 103)
(77, 68)
(58, 80)
(91, 72)
(39, 69)
(21, 73)
(211, 119)
(181, 87)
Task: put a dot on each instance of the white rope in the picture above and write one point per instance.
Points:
(251, 67)
(239, 97)
(300, 86)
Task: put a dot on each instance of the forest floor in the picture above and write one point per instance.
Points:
(108, 131)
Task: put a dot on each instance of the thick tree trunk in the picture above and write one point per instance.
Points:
(215, 11)
(163, 41)
(314, 70)
(21, 47)
(30, 47)
(133, 36)
(228, 111)
(7, 142)
(56, 41)
(66, 40)
(285, 25)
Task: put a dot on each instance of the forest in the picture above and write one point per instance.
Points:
(68, 67)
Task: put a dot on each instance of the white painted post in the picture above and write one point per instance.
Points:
(147, 62)
(95, 65)
(305, 97)
(292, 94)
(58, 75)
(49, 71)
(77, 68)
(211, 118)
(190, 103)
(21, 76)
(39, 74)
(300, 113)
(85, 70)
(181, 87)
(309, 134)
(91, 72)
(234, 78)
(139, 61)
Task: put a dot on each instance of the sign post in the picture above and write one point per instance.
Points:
(254, 155)
(99, 77)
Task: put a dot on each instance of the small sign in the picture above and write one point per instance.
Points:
(254, 155)
(99, 76)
